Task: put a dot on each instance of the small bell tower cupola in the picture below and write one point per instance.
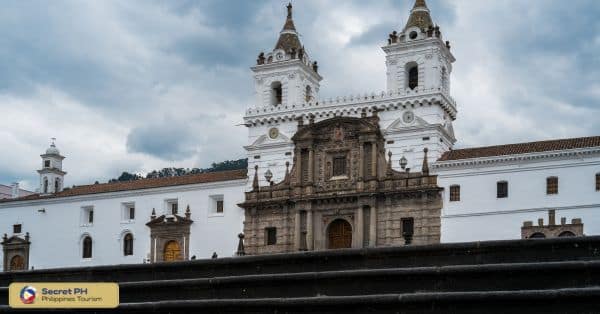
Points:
(51, 174)
(417, 58)
(286, 76)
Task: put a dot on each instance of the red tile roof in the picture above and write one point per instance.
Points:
(141, 184)
(521, 148)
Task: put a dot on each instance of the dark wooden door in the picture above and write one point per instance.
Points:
(339, 234)
(17, 263)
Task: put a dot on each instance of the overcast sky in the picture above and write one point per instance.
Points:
(141, 85)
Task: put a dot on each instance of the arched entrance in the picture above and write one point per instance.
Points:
(172, 252)
(537, 235)
(17, 263)
(566, 234)
(339, 234)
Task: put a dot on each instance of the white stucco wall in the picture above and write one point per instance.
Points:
(480, 215)
(56, 234)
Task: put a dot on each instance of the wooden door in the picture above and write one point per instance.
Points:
(339, 234)
(17, 263)
(172, 252)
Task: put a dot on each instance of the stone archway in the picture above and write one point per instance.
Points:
(339, 234)
(17, 262)
(172, 252)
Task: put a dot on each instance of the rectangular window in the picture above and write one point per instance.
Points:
(502, 189)
(552, 185)
(46, 163)
(174, 208)
(127, 211)
(216, 205)
(454, 193)
(408, 226)
(87, 215)
(17, 228)
(597, 181)
(339, 166)
(271, 236)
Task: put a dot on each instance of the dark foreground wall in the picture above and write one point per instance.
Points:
(521, 276)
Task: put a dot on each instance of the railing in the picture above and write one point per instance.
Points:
(409, 94)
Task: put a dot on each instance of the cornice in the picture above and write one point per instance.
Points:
(130, 193)
(419, 130)
(270, 146)
(528, 158)
(525, 210)
(285, 66)
(352, 105)
(426, 43)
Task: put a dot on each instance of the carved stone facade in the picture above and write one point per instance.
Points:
(552, 230)
(16, 252)
(170, 237)
(341, 192)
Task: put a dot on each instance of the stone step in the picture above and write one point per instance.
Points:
(573, 300)
(478, 278)
(472, 253)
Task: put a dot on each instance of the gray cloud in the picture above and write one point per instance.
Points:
(136, 86)
(168, 140)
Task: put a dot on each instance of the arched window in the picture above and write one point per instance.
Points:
(87, 247)
(276, 93)
(566, 234)
(45, 185)
(552, 185)
(413, 75)
(57, 185)
(537, 235)
(308, 93)
(128, 244)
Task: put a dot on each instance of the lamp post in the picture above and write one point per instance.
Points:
(403, 162)
(268, 175)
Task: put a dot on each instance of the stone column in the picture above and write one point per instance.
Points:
(361, 158)
(298, 153)
(297, 231)
(374, 159)
(373, 227)
(311, 170)
(359, 223)
(309, 230)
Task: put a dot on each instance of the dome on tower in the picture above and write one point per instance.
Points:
(52, 150)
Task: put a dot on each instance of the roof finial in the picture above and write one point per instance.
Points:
(425, 167)
(289, 22)
(53, 140)
(255, 181)
(420, 3)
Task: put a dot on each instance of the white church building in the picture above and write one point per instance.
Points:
(488, 193)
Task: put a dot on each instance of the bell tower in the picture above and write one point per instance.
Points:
(418, 58)
(51, 174)
(285, 80)
(286, 76)
(418, 67)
